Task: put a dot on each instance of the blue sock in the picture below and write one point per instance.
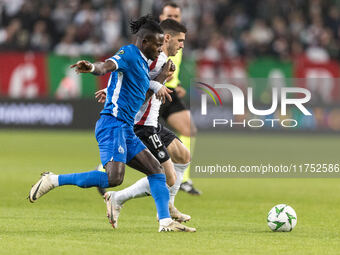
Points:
(160, 194)
(85, 180)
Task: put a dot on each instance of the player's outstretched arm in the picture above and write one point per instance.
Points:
(98, 68)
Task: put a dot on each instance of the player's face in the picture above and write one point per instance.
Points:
(176, 43)
(153, 46)
(171, 13)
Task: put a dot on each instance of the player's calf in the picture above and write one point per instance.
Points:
(49, 181)
(178, 152)
(169, 172)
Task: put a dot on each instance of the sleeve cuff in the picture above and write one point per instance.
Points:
(155, 86)
(114, 61)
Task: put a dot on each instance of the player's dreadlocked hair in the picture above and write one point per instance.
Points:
(146, 23)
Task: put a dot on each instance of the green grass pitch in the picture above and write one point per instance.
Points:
(230, 216)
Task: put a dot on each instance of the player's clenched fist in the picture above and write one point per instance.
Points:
(83, 66)
(166, 72)
(172, 67)
(169, 67)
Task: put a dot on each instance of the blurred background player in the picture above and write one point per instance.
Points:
(175, 113)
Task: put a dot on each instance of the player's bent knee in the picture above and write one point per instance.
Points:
(115, 180)
(183, 157)
(115, 174)
(186, 158)
(170, 180)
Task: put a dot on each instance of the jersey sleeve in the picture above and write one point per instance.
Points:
(156, 66)
(121, 59)
(155, 69)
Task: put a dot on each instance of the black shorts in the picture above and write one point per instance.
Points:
(156, 140)
(169, 108)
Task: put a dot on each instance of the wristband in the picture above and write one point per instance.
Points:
(92, 68)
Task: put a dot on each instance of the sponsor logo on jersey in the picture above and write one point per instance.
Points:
(161, 154)
(121, 149)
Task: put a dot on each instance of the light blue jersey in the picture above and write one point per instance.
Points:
(127, 86)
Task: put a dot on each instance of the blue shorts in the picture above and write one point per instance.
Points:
(116, 140)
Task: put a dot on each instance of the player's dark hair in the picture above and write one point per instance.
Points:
(172, 26)
(170, 3)
(145, 23)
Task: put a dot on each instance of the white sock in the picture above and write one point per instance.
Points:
(179, 169)
(165, 222)
(54, 180)
(140, 188)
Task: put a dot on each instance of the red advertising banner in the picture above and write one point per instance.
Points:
(319, 78)
(226, 70)
(234, 71)
(23, 75)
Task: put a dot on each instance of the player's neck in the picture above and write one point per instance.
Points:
(165, 51)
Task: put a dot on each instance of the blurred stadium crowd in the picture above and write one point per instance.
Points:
(217, 29)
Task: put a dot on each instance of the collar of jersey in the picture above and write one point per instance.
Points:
(163, 54)
(146, 60)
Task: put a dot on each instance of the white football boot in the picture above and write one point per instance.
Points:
(112, 207)
(175, 226)
(43, 186)
(177, 215)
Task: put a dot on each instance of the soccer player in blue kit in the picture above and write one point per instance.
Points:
(118, 144)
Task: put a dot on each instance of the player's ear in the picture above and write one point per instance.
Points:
(167, 37)
(148, 39)
(145, 43)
